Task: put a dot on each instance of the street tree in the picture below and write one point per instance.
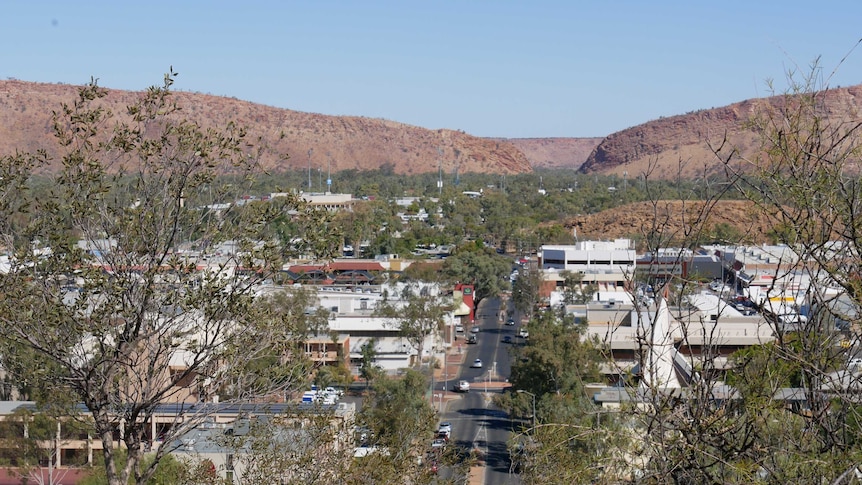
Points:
(525, 291)
(475, 264)
(368, 368)
(103, 281)
(418, 311)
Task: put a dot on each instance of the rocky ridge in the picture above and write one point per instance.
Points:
(311, 140)
(681, 144)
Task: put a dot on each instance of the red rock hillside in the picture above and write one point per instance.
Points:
(321, 141)
(679, 144)
(557, 153)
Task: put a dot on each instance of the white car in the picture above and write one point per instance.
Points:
(463, 386)
(459, 328)
(445, 427)
(338, 393)
(475, 329)
(477, 364)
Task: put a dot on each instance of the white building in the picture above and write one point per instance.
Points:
(352, 318)
(605, 264)
(353, 315)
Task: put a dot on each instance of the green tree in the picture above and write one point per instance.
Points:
(556, 359)
(525, 291)
(368, 368)
(99, 289)
(550, 371)
(804, 178)
(574, 291)
(481, 267)
(419, 312)
(297, 446)
(171, 471)
(402, 420)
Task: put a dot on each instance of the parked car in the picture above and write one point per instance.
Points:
(334, 391)
(445, 427)
(459, 328)
(475, 329)
(523, 333)
(438, 443)
(507, 339)
(472, 339)
(477, 364)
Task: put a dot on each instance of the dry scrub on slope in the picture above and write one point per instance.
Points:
(635, 220)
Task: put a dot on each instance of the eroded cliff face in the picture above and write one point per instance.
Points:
(683, 145)
(309, 140)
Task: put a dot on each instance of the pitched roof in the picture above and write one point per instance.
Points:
(355, 266)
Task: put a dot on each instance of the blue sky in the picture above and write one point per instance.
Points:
(490, 68)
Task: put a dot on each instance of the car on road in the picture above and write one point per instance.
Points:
(459, 328)
(510, 322)
(445, 427)
(438, 443)
(507, 339)
(472, 339)
(523, 333)
(462, 386)
(477, 364)
(475, 329)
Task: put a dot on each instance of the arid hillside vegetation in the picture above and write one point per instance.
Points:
(635, 220)
(666, 148)
(680, 145)
(296, 140)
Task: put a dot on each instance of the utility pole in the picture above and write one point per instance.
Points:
(309, 168)
(440, 170)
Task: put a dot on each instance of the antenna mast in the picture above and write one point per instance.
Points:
(440, 170)
(309, 168)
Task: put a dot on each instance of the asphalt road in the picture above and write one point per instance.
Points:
(476, 422)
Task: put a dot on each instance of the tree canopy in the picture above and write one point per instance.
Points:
(103, 288)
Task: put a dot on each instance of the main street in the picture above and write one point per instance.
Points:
(476, 422)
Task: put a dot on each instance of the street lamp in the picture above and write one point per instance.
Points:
(521, 391)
